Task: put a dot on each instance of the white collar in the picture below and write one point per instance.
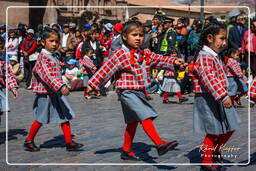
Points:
(46, 52)
(209, 50)
(125, 47)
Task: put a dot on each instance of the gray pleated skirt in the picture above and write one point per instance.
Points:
(52, 108)
(236, 85)
(135, 106)
(210, 117)
(3, 107)
(170, 85)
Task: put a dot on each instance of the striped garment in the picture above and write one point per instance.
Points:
(233, 69)
(9, 81)
(87, 65)
(130, 76)
(253, 89)
(46, 75)
(209, 74)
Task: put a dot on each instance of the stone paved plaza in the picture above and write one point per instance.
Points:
(99, 125)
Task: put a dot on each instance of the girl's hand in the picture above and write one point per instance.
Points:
(15, 92)
(179, 61)
(227, 103)
(94, 68)
(64, 90)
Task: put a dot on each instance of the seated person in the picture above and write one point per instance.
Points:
(16, 68)
(71, 72)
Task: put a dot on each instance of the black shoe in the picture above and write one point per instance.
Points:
(30, 146)
(162, 149)
(73, 146)
(184, 99)
(166, 101)
(149, 98)
(208, 168)
(125, 156)
(217, 158)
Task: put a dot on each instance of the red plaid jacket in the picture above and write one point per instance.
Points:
(129, 76)
(9, 81)
(209, 75)
(86, 65)
(233, 69)
(46, 75)
(253, 89)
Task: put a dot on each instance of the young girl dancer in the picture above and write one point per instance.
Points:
(50, 105)
(132, 66)
(170, 84)
(253, 92)
(235, 76)
(6, 79)
(213, 112)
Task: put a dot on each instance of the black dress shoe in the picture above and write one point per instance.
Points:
(208, 168)
(125, 156)
(184, 99)
(217, 158)
(30, 146)
(162, 149)
(73, 146)
(166, 101)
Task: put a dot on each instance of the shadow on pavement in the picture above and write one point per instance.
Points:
(194, 156)
(57, 141)
(11, 134)
(141, 149)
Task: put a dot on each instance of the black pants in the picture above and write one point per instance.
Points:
(28, 66)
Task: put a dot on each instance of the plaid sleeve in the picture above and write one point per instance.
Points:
(11, 80)
(46, 73)
(253, 89)
(235, 68)
(208, 78)
(106, 71)
(162, 62)
(87, 63)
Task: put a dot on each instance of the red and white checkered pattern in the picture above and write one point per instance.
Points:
(46, 76)
(9, 81)
(233, 69)
(210, 76)
(87, 65)
(253, 89)
(129, 76)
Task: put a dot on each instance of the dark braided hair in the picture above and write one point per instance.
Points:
(211, 28)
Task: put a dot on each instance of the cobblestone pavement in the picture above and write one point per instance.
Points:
(99, 125)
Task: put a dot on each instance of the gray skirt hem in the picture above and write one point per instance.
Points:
(135, 106)
(52, 108)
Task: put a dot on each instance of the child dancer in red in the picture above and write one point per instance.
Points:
(235, 76)
(50, 105)
(213, 113)
(170, 84)
(8, 79)
(253, 92)
(132, 66)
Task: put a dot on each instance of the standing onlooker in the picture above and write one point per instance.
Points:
(194, 36)
(12, 44)
(68, 44)
(28, 47)
(167, 39)
(236, 33)
(93, 43)
(245, 46)
(2, 31)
